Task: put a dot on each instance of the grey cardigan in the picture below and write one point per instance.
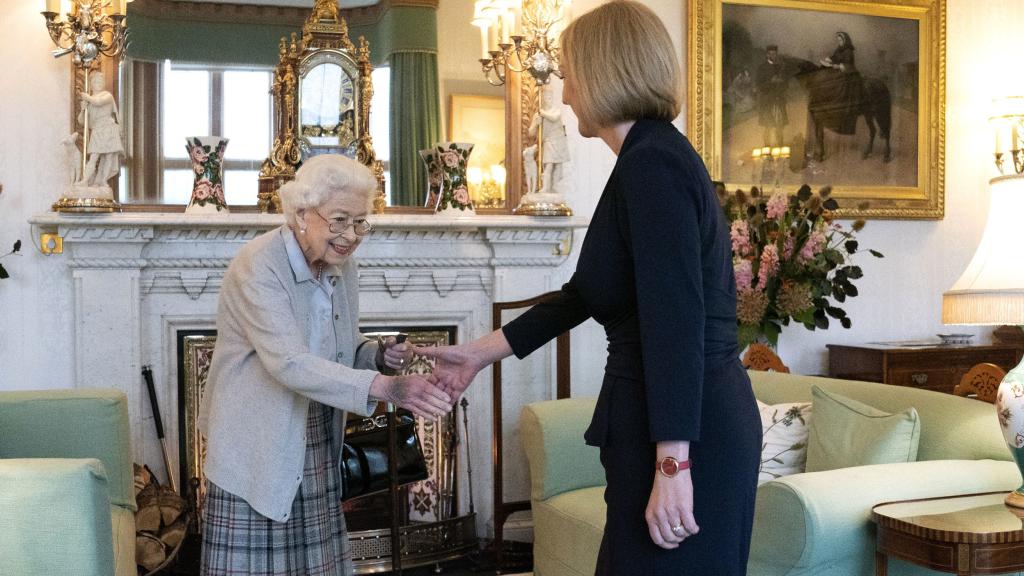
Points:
(263, 374)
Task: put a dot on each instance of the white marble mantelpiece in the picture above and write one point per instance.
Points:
(139, 278)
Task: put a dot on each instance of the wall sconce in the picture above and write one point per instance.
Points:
(87, 30)
(1008, 124)
(525, 35)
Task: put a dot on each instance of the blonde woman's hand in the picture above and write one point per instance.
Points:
(669, 513)
(454, 367)
(415, 392)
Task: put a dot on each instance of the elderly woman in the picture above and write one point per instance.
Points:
(289, 363)
(676, 421)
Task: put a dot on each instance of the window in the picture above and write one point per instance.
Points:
(201, 100)
(380, 123)
(211, 99)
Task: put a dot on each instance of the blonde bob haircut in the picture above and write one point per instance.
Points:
(623, 65)
(322, 177)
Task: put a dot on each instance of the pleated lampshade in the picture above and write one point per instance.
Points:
(991, 289)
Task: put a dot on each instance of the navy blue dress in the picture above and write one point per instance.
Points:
(656, 271)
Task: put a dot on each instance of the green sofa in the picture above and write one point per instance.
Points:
(67, 496)
(806, 524)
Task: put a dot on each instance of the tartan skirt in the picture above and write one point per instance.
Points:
(237, 540)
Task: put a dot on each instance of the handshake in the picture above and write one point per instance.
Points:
(426, 395)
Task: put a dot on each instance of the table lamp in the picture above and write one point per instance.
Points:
(990, 292)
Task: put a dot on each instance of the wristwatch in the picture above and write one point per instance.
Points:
(669, 466)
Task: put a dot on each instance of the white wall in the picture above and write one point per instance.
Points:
(35, 335)
(900, 295)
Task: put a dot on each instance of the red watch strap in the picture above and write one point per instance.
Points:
(679, 466)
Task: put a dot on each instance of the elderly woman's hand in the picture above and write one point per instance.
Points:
(417, 393)
(396, 355)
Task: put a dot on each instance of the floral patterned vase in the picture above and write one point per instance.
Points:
(1010, 409)
(207, 155)
(453, 193)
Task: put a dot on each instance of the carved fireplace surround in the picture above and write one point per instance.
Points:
(138, 279)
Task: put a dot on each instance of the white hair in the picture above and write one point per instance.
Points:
(322, 177)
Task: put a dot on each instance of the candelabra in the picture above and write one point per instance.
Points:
(1008, 120)
(89, 29)
(534, 51)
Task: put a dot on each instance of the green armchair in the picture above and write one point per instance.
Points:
(67, 497)
(809, 524)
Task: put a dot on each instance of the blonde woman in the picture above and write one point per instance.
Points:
(676, 419)
(288, 364)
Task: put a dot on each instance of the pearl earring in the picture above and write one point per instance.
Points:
(302, 230)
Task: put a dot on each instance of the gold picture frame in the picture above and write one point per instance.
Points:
(196, 353)
(902, 47)
(480, 120)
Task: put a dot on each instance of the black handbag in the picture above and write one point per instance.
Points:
(364, 456)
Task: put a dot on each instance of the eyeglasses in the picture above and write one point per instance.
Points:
(339, 225)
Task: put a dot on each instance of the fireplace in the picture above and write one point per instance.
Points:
(136, 280)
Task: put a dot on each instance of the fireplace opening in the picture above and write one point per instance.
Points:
(432, 527)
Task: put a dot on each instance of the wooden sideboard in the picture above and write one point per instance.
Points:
(938, 367)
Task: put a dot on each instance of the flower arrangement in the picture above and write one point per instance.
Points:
(791, 261)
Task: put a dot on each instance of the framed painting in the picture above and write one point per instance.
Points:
(823, 92)
(481, 120)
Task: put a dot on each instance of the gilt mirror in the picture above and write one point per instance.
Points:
(327, 106)
(200, 67)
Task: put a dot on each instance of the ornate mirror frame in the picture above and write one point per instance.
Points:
(324, 40)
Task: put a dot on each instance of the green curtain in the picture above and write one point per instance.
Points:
(399, 29)
(415, 123)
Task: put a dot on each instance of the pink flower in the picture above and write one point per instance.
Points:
(198, 155)
(744, 275)
(769, 265)
(814, 245)
(434, 178)
(787, 248)
(740, 236)
(462, 195)
(203, 190)
(777, 206)
(218, 194)
(451, 158)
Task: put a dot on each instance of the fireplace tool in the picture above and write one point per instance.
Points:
(147, 375)
(469, 462)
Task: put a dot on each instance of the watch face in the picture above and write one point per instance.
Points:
(669, 466)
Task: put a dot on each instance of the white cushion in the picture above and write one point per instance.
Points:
(784, 447)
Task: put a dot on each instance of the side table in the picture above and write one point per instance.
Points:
(963, 535)
(938, 367)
